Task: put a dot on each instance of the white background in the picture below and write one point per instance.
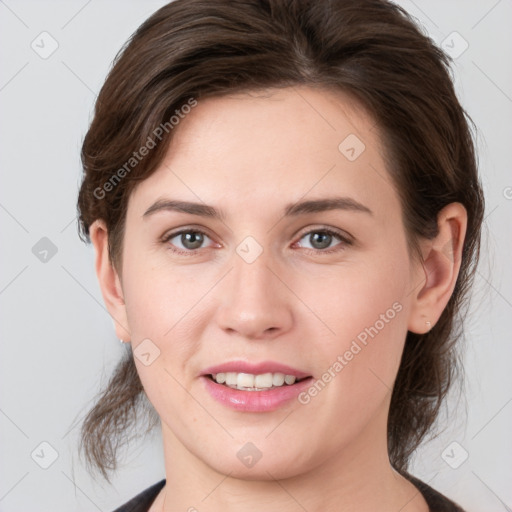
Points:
(57, 341)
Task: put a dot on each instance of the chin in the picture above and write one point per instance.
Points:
(277, 466)
(260, 472)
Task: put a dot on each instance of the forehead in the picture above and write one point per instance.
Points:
(275, 145)
(291, 123)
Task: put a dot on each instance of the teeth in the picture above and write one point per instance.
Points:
(231, 379)
(264, 380)
(278, 379)
(245, 380)
(289, 379)
(250, 382)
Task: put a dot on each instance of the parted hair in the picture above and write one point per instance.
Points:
(371, 50)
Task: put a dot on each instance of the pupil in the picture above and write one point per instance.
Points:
(320, 240)
(192, 240)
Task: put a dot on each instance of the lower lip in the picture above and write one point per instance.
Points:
(254, 401)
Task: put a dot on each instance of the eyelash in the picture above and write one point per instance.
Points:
(345, 241)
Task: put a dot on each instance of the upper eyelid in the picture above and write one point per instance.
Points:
(186, 229)
(334, 231)
(171, 233)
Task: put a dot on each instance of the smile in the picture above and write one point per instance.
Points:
(251, 382)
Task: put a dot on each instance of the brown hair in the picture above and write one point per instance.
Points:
(371, 49)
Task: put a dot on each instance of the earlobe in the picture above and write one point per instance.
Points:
(440, 268)
(109, 281)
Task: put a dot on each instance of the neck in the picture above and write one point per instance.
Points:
(357, 478)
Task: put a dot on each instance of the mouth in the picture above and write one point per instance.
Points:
(255, 382)
(254, 387)
(247, 376)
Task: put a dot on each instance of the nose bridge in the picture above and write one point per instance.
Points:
(252, 280)
(254, 301)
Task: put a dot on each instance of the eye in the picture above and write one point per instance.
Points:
(323, 239)
(186, 240)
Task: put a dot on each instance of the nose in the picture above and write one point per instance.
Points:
(255, 304)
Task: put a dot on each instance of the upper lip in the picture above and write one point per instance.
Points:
(255, 368)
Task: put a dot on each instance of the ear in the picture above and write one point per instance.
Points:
(439, 268)
(109, 281)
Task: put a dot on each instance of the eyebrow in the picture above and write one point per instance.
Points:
(322, 205)
(291, 210)
(171, 205)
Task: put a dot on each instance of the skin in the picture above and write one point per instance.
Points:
(250, 155)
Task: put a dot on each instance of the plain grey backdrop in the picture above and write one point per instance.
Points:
(57, 341)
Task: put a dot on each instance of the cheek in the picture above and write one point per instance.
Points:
(163, 305)
(162, 309)
(158, 295)
(351, 299)
(366, 310)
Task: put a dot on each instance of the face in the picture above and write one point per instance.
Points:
(291, 260)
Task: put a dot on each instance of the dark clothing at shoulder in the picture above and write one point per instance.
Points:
(435, 500)
(142, 501)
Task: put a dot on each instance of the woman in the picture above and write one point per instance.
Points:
(285, 208)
